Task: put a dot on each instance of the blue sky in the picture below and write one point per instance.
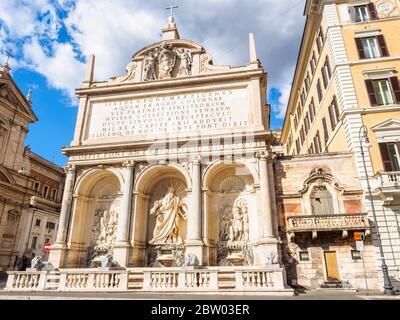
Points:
(51, 39)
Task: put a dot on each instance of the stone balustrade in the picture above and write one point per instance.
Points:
(328, 222)
(93, 280)
(389, 178)
(247, 279)
(180, 279)
(26, 281)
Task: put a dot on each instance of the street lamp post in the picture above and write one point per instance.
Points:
(387, 284)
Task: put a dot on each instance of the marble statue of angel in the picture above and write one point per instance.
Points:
(186, 57)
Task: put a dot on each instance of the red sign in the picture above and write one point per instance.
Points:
(47, 246)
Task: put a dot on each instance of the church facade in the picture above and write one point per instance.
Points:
(172, 185)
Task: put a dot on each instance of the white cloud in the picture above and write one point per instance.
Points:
(114, 30)
(62, 70)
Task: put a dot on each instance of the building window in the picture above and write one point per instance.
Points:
(311, 149)
(320, 40)
(304, 256)
(355, 255)
(307, 123)
(50, 226)
(326, 72)
(334, 113)
(321, 201)
(34, 242)
(302, 97)
(45, 191)
(317, 143)
(372, 47)
(298, 146)
(54, 194)
(383, 91)
(319, 91)
(390, 156)
(36, 186)
(307, 81)
(313, 63)
(302, 137)
(311, 109)
(361, 13)
(38, 221)
(325, 127)
(46, 241)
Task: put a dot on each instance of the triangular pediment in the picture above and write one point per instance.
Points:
(13, 97)
(390, 124)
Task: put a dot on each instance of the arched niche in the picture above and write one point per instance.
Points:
(321, 194)
(96, 193)
(152, 185)
(229, 190)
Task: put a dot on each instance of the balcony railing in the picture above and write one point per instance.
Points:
(389, 178)
(330, 222)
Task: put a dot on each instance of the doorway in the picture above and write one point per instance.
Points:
(331, 265)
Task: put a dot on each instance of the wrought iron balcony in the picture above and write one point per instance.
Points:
(332, 222)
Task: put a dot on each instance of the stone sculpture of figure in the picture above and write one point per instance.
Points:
(150, 67)
(245, 224)
(168, 212)
(237, 225)
(166, 60)
(108, 228)
(186, 57)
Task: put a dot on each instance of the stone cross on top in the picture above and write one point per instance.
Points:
(172, 7)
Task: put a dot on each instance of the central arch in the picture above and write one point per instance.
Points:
(151, 186)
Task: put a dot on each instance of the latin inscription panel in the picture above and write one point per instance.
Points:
(202, 111)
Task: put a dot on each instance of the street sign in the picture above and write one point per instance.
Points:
(358, 236)
(47, 247)
(360, 245)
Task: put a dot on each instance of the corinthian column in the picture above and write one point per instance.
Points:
(194, 216)
(266, 201)
(66, 205)
(58, 253)
(121, 246)
(194, 243)
(123, 224)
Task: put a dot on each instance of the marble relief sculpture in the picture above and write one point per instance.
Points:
(168, 212)
(234, 224)
(106, 227)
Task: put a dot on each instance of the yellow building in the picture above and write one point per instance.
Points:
(347, 76)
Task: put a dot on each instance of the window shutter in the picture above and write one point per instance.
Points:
(336, 108)
(371, 92)
(328, 68)
(360, 48)
(324, 77)
(326, 135)
(332, 117)
(387, 164)
(394, 81)
(382, 45)
(352, 14)
(372, 11)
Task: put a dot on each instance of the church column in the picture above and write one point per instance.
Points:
(194, 243)
(58, 250)
(121, 247)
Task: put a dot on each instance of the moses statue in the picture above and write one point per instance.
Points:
(169, 211)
